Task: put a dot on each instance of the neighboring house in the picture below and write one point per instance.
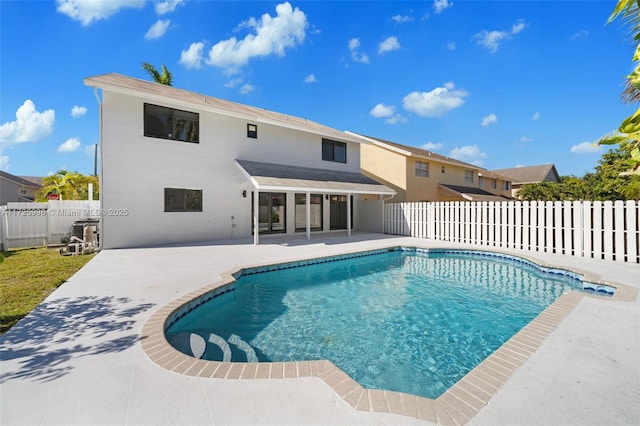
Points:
(420, 175)
(16, 189)
(180, 167)
(530, 174)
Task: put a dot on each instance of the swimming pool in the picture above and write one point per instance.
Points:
(406, 320)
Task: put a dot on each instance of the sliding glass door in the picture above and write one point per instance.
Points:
(338, 212)
(272, 212)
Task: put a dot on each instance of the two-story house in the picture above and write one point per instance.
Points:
(179, 167)
(420, 175)
(16, 189)
(530, 174)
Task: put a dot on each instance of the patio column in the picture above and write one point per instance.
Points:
(308, 214)
(256, 209)
(348, 215)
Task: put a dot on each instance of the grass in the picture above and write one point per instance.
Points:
(28, 276)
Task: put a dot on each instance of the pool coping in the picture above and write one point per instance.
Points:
(457, 405)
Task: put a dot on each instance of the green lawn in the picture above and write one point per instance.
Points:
(28, 276)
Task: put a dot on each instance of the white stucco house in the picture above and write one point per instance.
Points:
(180, 167)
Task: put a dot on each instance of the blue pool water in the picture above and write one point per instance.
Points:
(397, 320)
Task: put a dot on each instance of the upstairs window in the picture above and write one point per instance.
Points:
(168, 123)
(334, 151)
(252, 131)
(422, 169)
(182, 200)
(481, 182)
(468, 176)
(507, 185)
(495, 184)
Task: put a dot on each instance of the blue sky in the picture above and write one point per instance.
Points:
(498, 83)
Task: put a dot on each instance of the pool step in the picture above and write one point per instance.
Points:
(212, 346)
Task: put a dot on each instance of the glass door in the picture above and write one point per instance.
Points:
(272, 212)
(338, 212)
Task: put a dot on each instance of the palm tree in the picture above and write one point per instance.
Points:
(162, 78)
(69, 185)
(629, 130)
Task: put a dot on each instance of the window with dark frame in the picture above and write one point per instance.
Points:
(182, 200)
(169, 123)
(334, 151)
(507, 186)
(252, 131)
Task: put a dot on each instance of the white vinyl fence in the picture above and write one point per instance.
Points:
(40, 224)
(593, 229)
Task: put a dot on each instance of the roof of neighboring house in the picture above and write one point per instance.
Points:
(18, 180)
(159, 92)
(472, 193)
(412, 151)
(530, 174)
(35, 179)
(273, 176)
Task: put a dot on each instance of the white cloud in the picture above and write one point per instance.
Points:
(536, 116)
(397, 118)
(158, 29)
(273, 35)
(579, 34)
(246, 89)
(356, 55)
(4, 162)
(388, 45)
(436, 102)
(192, 57)
(69, 145)
(518, 26)
(586, 148)
(468, 153)
(431, 146)
(87, 11)
(489, 120)
(78, 111)
(167, 6)
(234, 82)
(30, 125)
(382, 111)
(491, 40)
(451, 45)
(440, 5)
(400, 19)
(311, 78)
(524, 140)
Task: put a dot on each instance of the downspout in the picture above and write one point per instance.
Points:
(100, 178)
(383, 200)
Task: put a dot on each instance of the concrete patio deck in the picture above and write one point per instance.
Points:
(77, 359)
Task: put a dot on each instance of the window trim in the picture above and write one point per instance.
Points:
(468, 176)
(174, 115)
(419, 171)
(184, 192)
(326, 142)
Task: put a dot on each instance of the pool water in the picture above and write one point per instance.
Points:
(399, 320)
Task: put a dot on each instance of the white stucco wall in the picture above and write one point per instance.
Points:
(136, 169)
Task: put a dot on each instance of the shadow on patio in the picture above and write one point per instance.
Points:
(44, 342)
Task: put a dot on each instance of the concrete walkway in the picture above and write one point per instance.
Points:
(77, 359)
